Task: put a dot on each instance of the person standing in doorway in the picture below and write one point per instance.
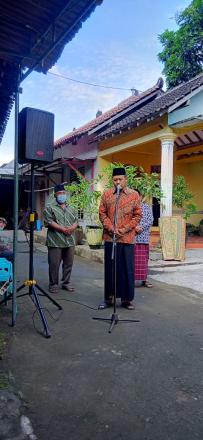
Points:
(128, 217)
(141, 256)
(61, 222)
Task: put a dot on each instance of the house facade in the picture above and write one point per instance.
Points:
(164, 135)
(157, 130)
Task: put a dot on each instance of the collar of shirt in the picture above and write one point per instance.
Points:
(58, 204)
(124, 190)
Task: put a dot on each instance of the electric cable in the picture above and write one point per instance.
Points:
(88, 83)
(51, 315)
(77, 302)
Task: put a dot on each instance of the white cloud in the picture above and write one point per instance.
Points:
(74, 104)
(116, 66)
(6, 154)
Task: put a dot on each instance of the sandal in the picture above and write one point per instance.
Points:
(68, 288)
(147, 284)
(53, 289)
(105, 305)
(128, 305)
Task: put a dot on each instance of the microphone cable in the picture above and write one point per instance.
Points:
(61, 311)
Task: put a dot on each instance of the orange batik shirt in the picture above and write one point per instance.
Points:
(129, 214)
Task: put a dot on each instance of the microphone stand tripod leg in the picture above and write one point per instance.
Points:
(114, 321)
(39, 308)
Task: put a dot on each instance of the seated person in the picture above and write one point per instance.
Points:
(5, 244)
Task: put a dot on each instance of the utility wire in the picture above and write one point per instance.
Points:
(87, 83)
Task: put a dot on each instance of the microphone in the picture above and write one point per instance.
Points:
(118, 189)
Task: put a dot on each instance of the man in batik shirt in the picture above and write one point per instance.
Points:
(61, 222)
(128, 217)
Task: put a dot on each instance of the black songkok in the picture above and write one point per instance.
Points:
(120, 171)
(59, 187)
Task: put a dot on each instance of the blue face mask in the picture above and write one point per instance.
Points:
(61, 199)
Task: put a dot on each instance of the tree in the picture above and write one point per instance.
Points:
(182, 53)
(182, 197)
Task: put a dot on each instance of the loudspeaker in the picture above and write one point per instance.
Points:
(36, 135)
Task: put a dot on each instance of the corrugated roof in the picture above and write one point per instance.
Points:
(33, 34)
(125, 104)
(155, 108)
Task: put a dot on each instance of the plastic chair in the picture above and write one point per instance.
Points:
(6, 277)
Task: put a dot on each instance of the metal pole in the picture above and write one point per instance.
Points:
(31, 268)
(15, 212)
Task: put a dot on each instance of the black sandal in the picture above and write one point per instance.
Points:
(128, 305)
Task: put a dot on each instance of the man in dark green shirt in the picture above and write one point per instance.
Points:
(61, 222)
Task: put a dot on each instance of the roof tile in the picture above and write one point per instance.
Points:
(153, 108)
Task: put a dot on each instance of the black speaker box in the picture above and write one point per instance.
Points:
(36, 136)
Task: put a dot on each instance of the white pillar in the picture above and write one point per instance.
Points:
(167, 146)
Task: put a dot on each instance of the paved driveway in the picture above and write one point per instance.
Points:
(143, 381)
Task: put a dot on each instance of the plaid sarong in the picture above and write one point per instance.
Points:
(141, 257)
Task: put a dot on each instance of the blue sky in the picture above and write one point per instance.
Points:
(117, 46)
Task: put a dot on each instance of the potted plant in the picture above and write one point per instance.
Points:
(85, 199)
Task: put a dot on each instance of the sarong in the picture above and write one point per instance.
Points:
(141, 257)
(121, 277)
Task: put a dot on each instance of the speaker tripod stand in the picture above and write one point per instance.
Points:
(32, 284)
(114, 319)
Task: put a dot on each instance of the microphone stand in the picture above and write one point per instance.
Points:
(114, 317)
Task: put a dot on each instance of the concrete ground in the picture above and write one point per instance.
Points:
(143, 381)
(186, 274)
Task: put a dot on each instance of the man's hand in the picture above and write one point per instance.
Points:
(70, 229)
(139, 229)
(120, 232)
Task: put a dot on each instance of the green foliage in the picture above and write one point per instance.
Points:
(189, 209)
(182, 53)
(84, 198)
(201, 222)
(147, 184)
(182, 197)
(181, 193)
(106, 174)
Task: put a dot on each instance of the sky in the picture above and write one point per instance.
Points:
(117, 46)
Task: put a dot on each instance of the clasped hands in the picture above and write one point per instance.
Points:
(67, 230)
(119, 232)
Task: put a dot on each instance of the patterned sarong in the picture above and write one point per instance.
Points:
(141, 257)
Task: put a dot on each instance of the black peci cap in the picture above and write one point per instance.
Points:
(59, 187)
(120, 171)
